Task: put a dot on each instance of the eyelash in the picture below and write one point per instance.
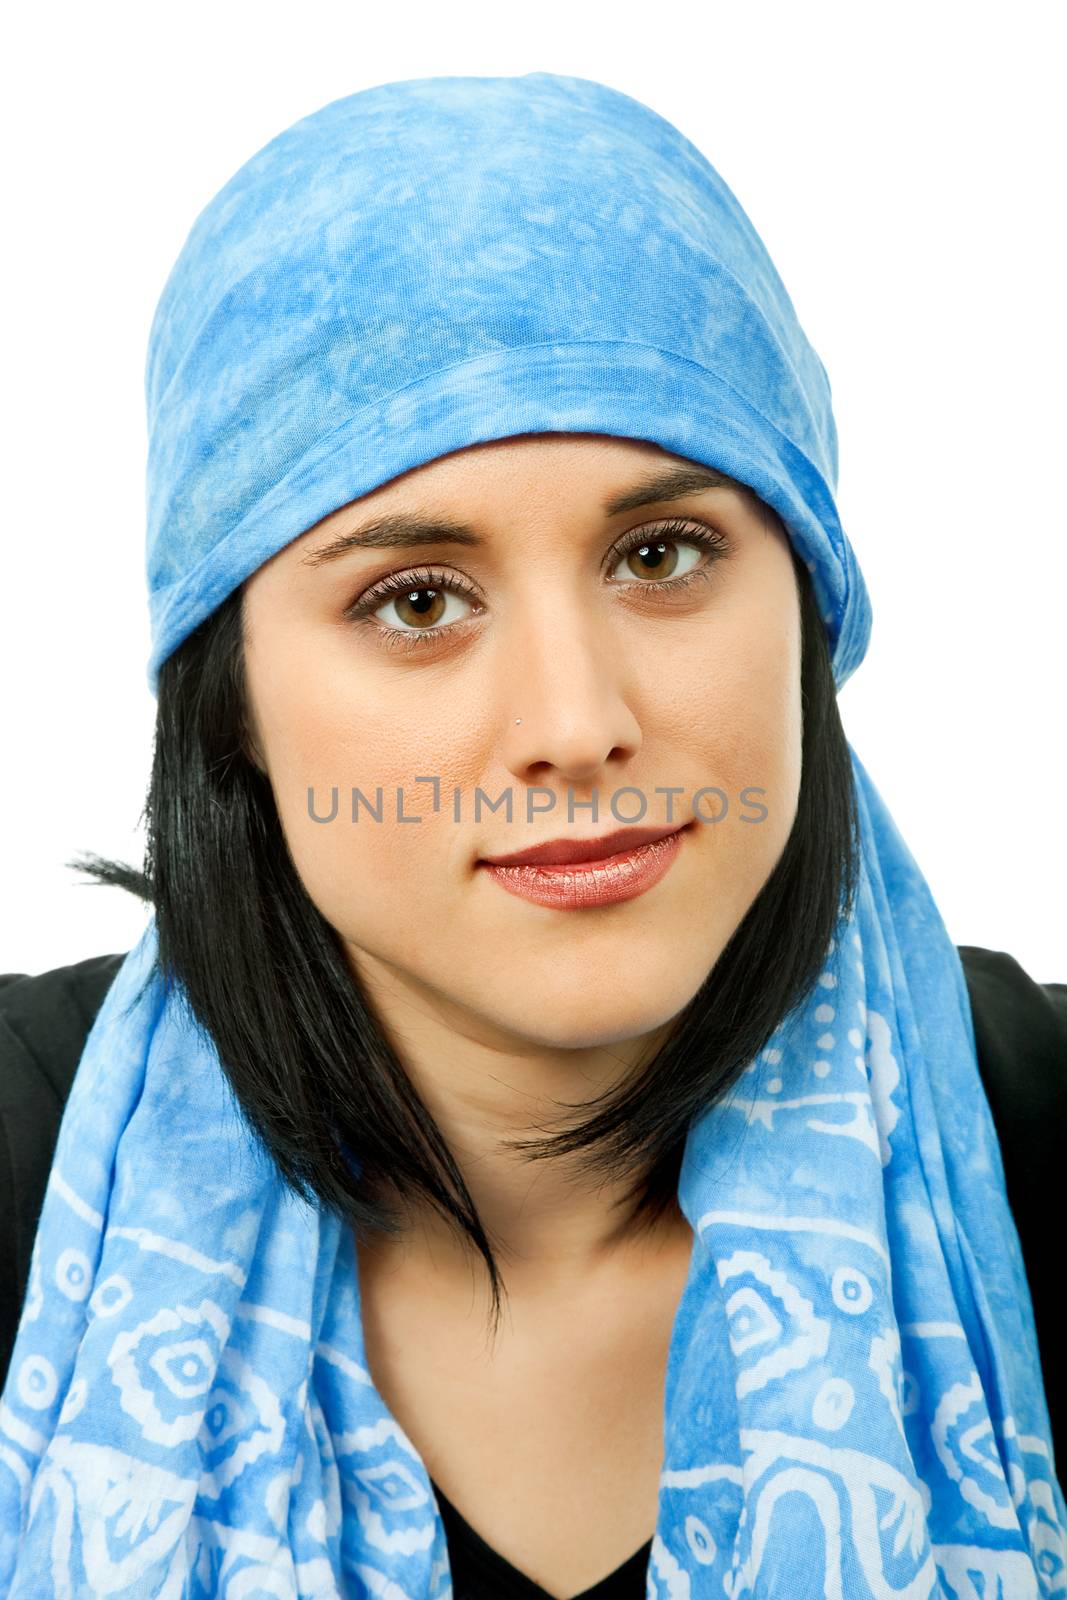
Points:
(676, 531)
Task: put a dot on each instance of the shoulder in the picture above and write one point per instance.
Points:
(1020, 1035)
(1000, 976)
(1020, 1029)
(44, 1019)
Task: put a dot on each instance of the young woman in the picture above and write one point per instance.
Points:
(540, 1134)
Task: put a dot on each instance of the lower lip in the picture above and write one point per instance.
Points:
(591, 883)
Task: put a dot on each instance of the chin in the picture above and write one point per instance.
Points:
(591, 1020)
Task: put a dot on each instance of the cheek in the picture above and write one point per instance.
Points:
(747, 729)
(749, 732)
(335, 734)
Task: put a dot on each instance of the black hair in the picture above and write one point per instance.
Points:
(262, 971)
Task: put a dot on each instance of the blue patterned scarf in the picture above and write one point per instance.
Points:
(854, 1406)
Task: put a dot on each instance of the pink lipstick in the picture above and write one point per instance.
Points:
(572, 884)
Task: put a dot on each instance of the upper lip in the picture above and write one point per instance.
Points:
(562, 852)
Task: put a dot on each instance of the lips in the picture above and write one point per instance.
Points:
(565, 852)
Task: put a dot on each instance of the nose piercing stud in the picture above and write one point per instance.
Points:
(518, 720)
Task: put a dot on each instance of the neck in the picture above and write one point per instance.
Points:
(549, 1223)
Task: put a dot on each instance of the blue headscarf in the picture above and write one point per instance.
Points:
(854, 1406)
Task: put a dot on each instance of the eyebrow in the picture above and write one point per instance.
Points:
(404, 530)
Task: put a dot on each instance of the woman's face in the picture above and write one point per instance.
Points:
(536, 657)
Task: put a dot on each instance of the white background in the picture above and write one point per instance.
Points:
(904, 167)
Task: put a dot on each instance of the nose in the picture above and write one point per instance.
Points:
(567, 710)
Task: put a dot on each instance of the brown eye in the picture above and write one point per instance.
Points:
(653, 560)
(422, 601)
(671, 552)
(420, 608)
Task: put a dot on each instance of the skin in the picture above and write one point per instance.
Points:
(496, 1006)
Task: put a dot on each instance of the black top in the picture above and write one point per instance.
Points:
(480, 1573)
(1021, 1037)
